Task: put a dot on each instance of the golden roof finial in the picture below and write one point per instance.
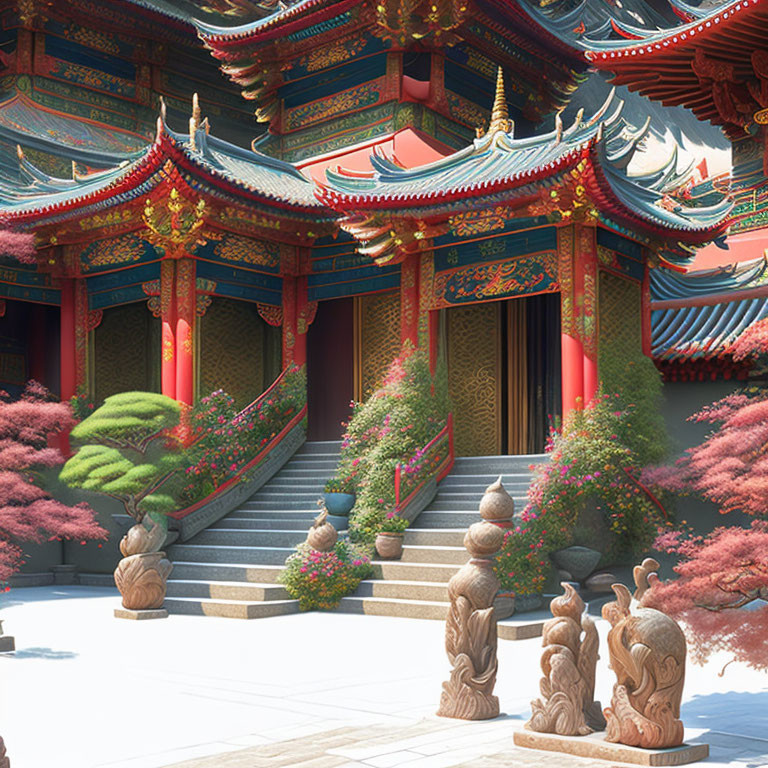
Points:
(500, 114)
(194, 121)
(20, 153)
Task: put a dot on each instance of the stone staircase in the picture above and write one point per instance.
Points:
(231, 568)
(417, 585)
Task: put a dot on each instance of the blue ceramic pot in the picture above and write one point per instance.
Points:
(525, 603)
(339, 503)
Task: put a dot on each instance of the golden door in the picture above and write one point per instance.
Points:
(377, 339)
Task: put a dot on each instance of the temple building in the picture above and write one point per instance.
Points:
(415, 187)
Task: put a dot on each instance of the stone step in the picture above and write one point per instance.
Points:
(230, 609)
(467, 505)
(211, 572)
(403, 590)
(435, 555)
(307, 498)
(226, 590)
(320, 446)
(318, 474)
(483, 481)
(400, 571)
(253, 538)
(256, 524)
(384, 606)
(275, 514)
(470, 496)
(213, 553)
(439, 537)
(447, 519)
(311, 463)
(281, 504)
(309, 485)
(495, 465)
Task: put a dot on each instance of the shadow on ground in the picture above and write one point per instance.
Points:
(42, 653)
(735, 719)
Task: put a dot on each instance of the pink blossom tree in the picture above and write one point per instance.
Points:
(27, 512)
(721, 592)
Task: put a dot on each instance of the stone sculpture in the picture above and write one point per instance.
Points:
(142, 573)
(4, 761)
(567, 706)
(645, 575)
(647, 653)
(322, 535)
(470, 631)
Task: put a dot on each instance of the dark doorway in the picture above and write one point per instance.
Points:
(330, 368)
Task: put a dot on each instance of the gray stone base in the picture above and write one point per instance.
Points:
(124, 613)
(64, 575)
(595, 746)
(7, 644)
(31, 580)
(522, 626)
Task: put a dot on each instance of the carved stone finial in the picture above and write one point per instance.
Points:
(645, 575)
(322, 535)
(567, 706)
(497, 506)
(470, 630)
(194, 120)
(142, 573)
(500, 113)
(4, 761)
(647, 653)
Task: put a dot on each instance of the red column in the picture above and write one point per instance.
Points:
(168, 320)
(571, 348)
(68, 339)
(186, 297)
(305, 314)
(409, 304)
(586, 260)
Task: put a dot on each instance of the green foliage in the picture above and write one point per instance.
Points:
(392, 523)
(128, 420)
(127, 451)
(522, 564)
(341, 484)
(400, 417)
(626, 371)
(321, 579)
(593, 460)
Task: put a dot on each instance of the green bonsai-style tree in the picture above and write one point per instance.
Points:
(127, 451)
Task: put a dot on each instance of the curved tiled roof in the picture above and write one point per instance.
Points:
(670, 286)
(241, 173)
(502, 165)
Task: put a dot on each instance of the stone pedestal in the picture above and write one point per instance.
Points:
(125, 613)
(64, 575)
(7, 644)
(596, 747)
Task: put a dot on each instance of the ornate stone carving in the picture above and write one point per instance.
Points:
(470, 631)
(497, 506)
(322, 535)
(4, 761)
(647, 652)
(142, 573)
(567, 706)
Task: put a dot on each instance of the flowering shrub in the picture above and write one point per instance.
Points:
(401, 416)
(341, 484)
(82, 406)
(392, 523)
(591, 460)
(321, 579)
(224, 441)
(522, 563)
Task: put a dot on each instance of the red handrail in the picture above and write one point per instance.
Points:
(445, 465)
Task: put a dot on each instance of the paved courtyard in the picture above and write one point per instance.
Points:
(85, 690)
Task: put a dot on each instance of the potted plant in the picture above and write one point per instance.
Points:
(522, 566)
(340, 495)
(389, 539)
(127, 451)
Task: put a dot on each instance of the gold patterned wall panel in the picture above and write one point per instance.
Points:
(377, 339)
(473, 346)
(126, 351)
(517, 376)
(234, 350)
(620, 336)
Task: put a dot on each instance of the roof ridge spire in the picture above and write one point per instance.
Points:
(194, 120)
(500, 114)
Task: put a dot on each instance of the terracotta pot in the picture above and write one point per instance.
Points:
(504, 605)
(389, 546)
